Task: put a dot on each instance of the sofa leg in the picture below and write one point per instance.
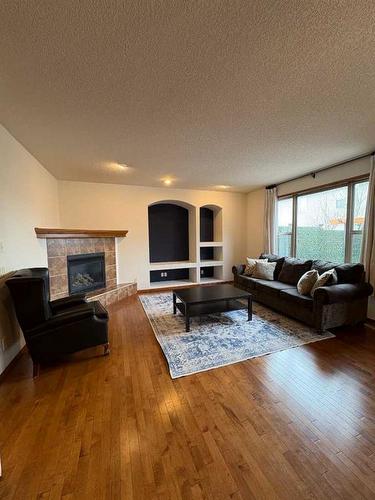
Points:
(106, 349)
(36, 369)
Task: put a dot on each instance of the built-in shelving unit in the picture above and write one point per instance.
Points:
(211, 260)
(182, 230)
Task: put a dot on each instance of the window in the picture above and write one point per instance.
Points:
(285, 226)
(321, 225)
(325, 225)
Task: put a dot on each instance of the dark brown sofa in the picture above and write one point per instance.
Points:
(344, 303)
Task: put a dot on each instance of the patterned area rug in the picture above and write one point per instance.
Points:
(221, 339)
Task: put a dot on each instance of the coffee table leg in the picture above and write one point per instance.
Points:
(249, 309)
(174, 303)
(187, 318)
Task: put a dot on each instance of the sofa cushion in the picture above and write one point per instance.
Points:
(349, 273)
(323, 265)
(292, 295)
(274, 258)
(271, 287)
(293, 270)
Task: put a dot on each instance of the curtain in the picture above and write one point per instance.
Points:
(368, 241)
(270, 222)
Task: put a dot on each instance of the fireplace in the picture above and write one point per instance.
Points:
(86, 272)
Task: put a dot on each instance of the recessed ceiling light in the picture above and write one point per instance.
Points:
(115, 166)
(222, 186)
(167, 181)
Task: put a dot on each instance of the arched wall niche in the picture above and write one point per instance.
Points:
(211, 215)
(166, 219)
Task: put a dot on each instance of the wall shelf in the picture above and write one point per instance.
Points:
(209, 263)
(211, 244)
(206, 280)
(182, 264)
(172, 283)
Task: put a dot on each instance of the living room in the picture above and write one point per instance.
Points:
(187, 250)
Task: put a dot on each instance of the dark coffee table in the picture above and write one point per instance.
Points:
(200, 300)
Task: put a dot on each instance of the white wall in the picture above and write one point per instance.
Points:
(336, 174)
(110, 206)
(28, 198)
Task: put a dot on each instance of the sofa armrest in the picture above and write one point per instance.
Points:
(73, 300)
(72, 315)
(343, 293)
(238, 269)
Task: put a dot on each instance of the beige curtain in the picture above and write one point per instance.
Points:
(368, 242)
(270, 222)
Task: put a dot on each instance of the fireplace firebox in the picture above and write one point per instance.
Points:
(86, 272)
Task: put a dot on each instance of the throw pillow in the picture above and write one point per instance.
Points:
(327, 278)
(274, 258)
(307, 281)
(293, 269)
(250, 265)
(264, 270)
(350, 273)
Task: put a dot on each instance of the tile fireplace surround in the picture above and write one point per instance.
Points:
(58, 249)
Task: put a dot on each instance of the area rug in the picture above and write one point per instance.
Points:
(218, 340)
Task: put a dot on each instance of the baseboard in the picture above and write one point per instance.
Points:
(170, 288)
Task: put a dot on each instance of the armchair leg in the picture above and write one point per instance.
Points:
(36, 369)
(106, 349)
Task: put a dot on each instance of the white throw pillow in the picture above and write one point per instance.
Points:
(327, 278)
(264, 270)
(250, 265)
(307, 281)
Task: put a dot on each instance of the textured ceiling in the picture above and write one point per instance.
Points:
(241, 93)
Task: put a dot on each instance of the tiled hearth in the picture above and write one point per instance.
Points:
(113, 293)
(60, 248)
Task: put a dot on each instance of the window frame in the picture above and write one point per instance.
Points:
(349, 231)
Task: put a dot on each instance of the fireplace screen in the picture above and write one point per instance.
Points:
(86, 272)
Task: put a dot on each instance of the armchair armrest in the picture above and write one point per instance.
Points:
(343, 293)
(78, 313)
(73, 300)
(238, 269)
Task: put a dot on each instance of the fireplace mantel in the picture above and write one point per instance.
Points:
(79, 233)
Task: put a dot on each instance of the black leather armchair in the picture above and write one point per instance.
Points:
(53, 328)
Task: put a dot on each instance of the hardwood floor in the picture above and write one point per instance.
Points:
(295, 424)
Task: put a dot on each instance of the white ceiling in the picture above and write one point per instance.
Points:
(242, 93)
